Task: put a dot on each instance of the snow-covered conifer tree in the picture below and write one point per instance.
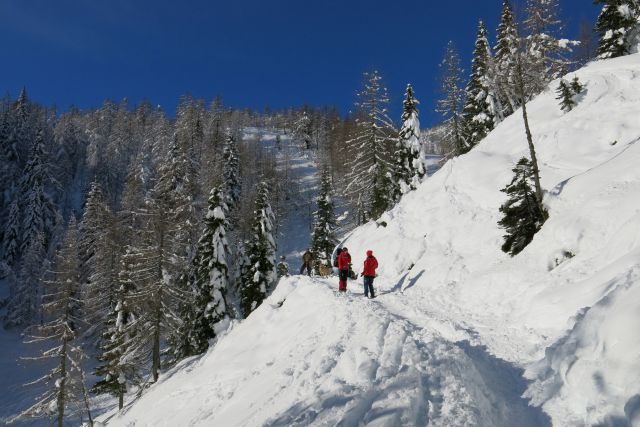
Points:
(507, 47)
(120, 358)
(323, 239)
(211, 274)
(12, 235)
(546, 50)
(160, 257)
(231, 171)
(61, 305)
(480, 100)
(522, 215)
(369, 151)
(261, 275)
(450, 104)
(99, 250)
(566, 93)
(618, 26)
(409, 167)
(565, 96)
(302, 130)
(38, 208)
(38, 219)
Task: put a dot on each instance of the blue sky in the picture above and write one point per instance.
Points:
(251, 52)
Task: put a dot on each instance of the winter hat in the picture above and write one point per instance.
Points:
(345, 249)
(369, 252)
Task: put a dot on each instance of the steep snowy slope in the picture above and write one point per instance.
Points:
(461, 334)
(575, 289)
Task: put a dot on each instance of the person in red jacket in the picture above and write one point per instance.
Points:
(344, 261)
(369, 273)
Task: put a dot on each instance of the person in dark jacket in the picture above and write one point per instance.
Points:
(306, 262)
(344, 262)
(369, 273)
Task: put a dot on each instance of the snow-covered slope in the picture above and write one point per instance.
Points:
(461, 334)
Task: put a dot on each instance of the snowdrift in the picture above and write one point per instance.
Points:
(461, 334)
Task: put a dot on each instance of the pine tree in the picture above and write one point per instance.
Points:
(450, 103)
(61, 305)
(618, 27)
(522, 214)
(211, 274)
(261, 252)
(507, 47)
(369, 150)
(409, 168)
(480, 100)
(565, 96)
(323, 239)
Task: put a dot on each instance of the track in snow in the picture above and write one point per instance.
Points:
(401, 374)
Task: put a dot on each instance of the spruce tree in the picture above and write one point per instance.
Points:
(480, 102)
(100, 252)
(409, 168)
(576, 86)
(261, 274)
(231, 171)
(323, 239)
(522, 215)
(120, 360)
(39, 210)
(618, 26)
(451, 102)
(370, 150)
(565, 96)
(12, 234)
(38, 221)
(211, 275)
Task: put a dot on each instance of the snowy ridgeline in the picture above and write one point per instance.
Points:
(461, 334)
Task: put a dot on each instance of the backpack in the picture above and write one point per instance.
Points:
(335, 260)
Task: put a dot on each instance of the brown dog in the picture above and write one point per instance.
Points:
(324, 271)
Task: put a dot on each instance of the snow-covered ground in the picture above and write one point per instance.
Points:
(461, 334)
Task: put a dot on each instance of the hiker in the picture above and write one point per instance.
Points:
(369, 273)
(344, 263)
(283, 267)
(306, 262)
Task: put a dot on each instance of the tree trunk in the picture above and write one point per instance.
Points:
(63, 375)
(525, 118)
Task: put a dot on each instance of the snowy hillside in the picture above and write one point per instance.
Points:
(461, 334)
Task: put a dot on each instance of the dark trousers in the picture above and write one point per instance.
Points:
(306, 266)
(343, 275)
(368, 287)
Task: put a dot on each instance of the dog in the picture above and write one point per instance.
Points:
(324, 271)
